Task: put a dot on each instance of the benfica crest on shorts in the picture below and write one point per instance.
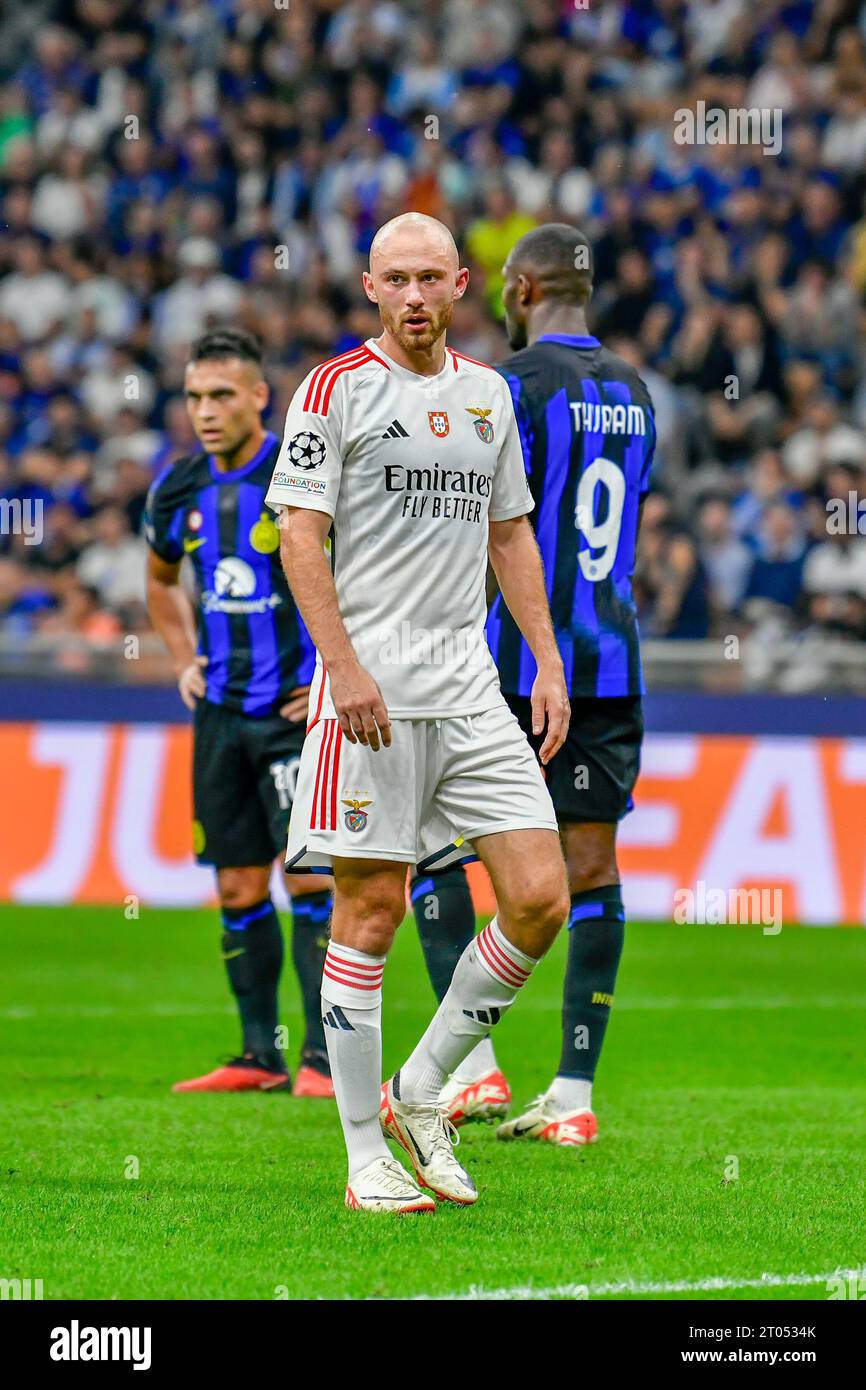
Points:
(356, 816)
(438, 422)
(483, 427)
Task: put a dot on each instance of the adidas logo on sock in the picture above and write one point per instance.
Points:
(395, 431)
(335, 1018)
(490, 1016)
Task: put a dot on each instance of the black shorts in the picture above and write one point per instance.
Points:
(592, 776)
(244, 775)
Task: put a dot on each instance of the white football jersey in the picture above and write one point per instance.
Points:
(410, 468)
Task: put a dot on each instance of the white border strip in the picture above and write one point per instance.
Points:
(711, 1284)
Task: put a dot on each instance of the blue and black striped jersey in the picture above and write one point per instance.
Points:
(257, 647)
(588, 436)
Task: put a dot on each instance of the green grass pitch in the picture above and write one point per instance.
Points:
(731, 1101)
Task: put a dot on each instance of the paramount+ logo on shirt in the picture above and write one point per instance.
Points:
(451, 494)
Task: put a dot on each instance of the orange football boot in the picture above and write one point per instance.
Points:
(313, 1084)
(486, 1099)
(238, 1074)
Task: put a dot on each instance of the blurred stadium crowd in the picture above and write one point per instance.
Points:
(170, 164)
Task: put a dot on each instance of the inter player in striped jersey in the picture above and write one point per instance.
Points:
(409, 454)
(587, 435)
(244, 667)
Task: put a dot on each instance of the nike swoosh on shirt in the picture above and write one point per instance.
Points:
(194, 545)
(230, 955)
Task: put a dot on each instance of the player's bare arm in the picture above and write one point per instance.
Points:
(516, 562)
(172, 615)
(356, 696)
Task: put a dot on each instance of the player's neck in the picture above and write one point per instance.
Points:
(426, 362)
(241, 456)
(567, 320)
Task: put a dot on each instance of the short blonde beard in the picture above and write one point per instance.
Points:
(411, 342)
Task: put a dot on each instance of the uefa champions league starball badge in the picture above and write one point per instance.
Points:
(306, 451)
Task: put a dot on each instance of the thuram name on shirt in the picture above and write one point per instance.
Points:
(596, 418)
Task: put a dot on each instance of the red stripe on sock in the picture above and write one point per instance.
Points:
(347, 980)
(336, 959)
(494, 969)
(498, 970)
(500, 955)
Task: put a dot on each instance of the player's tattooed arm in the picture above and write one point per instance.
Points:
(516, 562)
(172, 615)
(356, 696)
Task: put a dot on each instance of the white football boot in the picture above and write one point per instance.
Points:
(486, 1099)
(384, 1185)
(428, 1137)
(544, 1120)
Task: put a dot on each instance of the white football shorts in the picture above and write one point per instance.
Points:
(442, 782)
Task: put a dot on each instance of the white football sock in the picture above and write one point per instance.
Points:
(570, 1093)
(485, 984)
(352, 1015)
(481, 1060)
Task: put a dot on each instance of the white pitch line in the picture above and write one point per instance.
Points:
(711, 1284)
(17, 1013)
(23, 1013)
(686, 1003)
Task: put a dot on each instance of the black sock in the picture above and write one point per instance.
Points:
(596, 930)
(253, 953)
(445, 915)
(311, 917)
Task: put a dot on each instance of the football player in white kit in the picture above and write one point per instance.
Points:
(408, 454)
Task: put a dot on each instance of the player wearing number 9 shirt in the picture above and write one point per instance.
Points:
(588, 436)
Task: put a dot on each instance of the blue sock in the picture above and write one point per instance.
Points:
(596, 931)
(311, 923)
(445, 917)
(253, 953)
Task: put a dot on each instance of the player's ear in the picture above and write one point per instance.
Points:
(461, 282)
(262, 393)
(524, 289)
(369, 288)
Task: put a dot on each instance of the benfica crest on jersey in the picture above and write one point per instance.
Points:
(438, 422)
(483, 427)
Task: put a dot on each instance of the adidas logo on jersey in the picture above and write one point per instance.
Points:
(395, 431)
